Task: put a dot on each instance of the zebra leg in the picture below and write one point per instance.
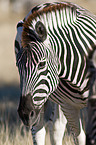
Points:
(81, 137)
(72, 114)
(38, 130)
(39, 136)
(57, 126)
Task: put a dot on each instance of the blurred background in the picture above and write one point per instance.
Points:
(11, 11)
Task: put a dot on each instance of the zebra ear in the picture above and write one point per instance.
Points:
(41, 31)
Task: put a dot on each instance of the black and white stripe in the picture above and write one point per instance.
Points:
(59, 61)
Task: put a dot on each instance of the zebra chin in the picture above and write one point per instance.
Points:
(27, 112)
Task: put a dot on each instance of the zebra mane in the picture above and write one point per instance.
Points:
(37, 12)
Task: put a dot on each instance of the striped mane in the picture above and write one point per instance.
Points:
(37, 12)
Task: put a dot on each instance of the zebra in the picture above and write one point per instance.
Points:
(57, 39)
(51, 118)
(91, 127)
(51, 114)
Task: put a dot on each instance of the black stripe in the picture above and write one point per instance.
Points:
(35, 9)
(38, 98)
(19, 25)
(17, 45)
(47, 5)
(41, 91)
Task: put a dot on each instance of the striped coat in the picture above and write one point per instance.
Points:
(57, 40)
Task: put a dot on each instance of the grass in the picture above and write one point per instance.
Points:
(12, 131)
(25, 138)
(8, 137)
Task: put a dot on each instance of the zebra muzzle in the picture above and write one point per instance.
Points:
(27, 113)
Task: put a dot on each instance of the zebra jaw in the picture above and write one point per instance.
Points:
(27, 113)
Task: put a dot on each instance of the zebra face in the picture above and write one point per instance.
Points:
(38, 71)
(38, 79)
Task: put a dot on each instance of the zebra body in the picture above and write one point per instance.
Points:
(53, 118)
(57, 40)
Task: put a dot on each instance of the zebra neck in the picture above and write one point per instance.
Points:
(69, 93)
(56, 23)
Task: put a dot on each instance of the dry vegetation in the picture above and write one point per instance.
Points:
(12, 131)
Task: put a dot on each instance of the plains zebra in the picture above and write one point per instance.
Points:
(51, 114)
(57, 39)
(52, 117)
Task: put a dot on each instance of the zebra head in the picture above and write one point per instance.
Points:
(38, 70)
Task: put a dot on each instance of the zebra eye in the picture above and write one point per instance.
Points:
(41, 30)
(42, 65)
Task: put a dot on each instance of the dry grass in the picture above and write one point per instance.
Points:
(15, 138)
(12, 131)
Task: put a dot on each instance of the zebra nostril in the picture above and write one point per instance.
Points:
(32, 113)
